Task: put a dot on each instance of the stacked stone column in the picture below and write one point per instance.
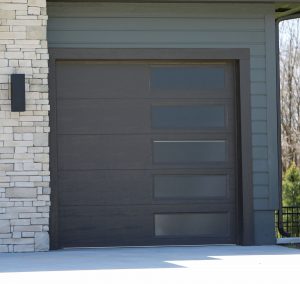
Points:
(24, 147)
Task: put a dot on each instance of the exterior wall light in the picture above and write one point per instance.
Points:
(18, 92)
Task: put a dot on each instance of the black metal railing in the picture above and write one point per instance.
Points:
(290, 221)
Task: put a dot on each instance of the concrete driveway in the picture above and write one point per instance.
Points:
(195, 264)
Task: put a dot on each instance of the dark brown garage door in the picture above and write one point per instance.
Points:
(146, 152)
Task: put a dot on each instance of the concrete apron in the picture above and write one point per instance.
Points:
(192, 264)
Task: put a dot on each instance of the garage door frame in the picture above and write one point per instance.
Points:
(241, 57)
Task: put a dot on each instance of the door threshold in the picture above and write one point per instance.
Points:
(153, 246)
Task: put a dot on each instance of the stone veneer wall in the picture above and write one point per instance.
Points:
(24, 149)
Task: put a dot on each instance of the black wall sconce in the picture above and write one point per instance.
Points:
(18, 92)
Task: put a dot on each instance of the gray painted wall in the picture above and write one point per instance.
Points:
(115, 25)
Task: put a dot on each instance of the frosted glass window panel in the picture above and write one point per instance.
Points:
(192, 224)
(190, 186)
(188, 117)
(194, 151)
(189, 78)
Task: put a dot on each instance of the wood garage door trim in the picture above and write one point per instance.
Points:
(245, 231)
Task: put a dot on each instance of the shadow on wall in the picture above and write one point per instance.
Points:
(127, 258)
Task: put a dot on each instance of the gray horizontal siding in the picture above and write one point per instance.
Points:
(261, 203)
(100, 25)
(259, 114)
(258, 88)
(155, 36)
(261, 192)
(260, 153)
(150, 24)
(170, 10)
(259, 127)
(258, 75)
(258, 101)
(260, 179)
(259, 140)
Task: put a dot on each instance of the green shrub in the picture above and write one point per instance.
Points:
(291, 186)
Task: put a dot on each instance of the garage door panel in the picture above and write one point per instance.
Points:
(105, 187)
(118, 224)
(94, 80)
(100, 117)
(119, 116)
(124, 225)
(147, 187)
(89, 152)
(104, 152)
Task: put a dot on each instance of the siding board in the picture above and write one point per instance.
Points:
(259, 140)
(258, 88)
(259, 127)
(169, 10)
(259, 114)
(257, 61)
(258, 75)
(260, 179)
(261, 191)
(260, 165)
(161, 36)
(261, 203)
(258, 101)
(260, 153)
(148, 24)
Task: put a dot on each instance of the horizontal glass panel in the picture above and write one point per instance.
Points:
(189, 151)
(190, 186)
(192, 224)
(190, 117)
(188, 78)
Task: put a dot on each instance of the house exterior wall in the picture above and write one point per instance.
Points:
(24, 151)
(115, 25)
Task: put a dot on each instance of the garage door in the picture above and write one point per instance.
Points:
(146, 152)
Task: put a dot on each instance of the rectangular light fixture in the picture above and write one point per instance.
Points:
(18, 92)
